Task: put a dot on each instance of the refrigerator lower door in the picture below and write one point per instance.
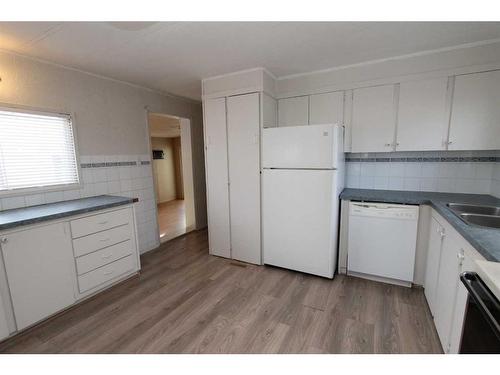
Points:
(300, 220)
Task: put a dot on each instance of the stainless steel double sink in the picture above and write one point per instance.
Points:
(483, 216)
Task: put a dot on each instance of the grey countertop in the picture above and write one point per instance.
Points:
(485, 240)
(35, 214)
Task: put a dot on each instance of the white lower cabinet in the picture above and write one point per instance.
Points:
(449, 254)
(436, 234)
(40, 272)
(447, 285)
(4, 328)
(53, 265)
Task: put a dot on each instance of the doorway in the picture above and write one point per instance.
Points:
(170, 139)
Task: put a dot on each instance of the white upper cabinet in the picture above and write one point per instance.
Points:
(217, 177)
(373, 119)
(475, 116)
(326, 108)
(422, 115)
(293, 111)
(269, 111)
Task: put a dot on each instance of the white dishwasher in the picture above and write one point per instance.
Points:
(382, 241)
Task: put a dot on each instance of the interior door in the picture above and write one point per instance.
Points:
(373, 119)
(39, 266)
(436, 235)
(475, 115)
(243, 129)
(422, 115)
(327, 108)
(217, 177)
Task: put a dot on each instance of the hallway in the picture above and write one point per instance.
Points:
(172, 219)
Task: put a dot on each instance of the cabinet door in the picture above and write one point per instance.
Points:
(40, 272)
(217, 177)
(436, 233)
(373, 119)
(447, 286)
(461, 302)
(326, 108)
(244, 176)
(4, 329)
(269, 111)
(475, 116)
(422, 120)
(293, 111)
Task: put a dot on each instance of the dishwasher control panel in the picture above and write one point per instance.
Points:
(384, 210)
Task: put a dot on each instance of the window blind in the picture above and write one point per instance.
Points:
(36, 150)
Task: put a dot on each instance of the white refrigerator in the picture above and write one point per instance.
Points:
(303, 175)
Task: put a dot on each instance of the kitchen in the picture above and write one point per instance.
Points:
(346, 208)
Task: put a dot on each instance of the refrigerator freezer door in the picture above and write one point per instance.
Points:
(315, 147)
(300, 219)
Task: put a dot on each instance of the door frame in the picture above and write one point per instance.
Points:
(187, 170)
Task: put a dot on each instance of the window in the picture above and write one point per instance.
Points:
(37, 150)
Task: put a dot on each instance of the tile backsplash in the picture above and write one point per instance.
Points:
(125, 175)
(495, 183)
(450, 171)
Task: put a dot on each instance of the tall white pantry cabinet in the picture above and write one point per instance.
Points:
(235, 108)
(232, 147)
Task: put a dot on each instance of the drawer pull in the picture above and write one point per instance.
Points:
(103, 222)
(104, 239)
(107, 256)
(108, 272)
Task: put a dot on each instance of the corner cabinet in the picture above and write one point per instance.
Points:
(475, 115)
(232, 144)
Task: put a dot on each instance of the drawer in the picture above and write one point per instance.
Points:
(102, 257)
(96, 223)
(106, 273)
(100, 240)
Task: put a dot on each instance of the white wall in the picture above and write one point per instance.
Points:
(111, 123)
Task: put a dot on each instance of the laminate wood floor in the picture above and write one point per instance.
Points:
(186, 301)
(172, 219)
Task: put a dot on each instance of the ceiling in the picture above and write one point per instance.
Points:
(175, 56)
